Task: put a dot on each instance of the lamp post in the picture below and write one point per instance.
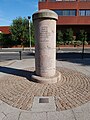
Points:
(29, 32)
(83, 44)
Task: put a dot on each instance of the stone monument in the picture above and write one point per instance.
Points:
(45, 46)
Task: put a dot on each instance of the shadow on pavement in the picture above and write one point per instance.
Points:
(18, 72)
(74, 58)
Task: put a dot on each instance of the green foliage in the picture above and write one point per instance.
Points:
(1, 39)
(72, 42)
(85, 42)
(78, 42)
(82, 36)
(19, 30)
(88, 38)
(1, 36)
(68, 36)
(59, 37)
(7, 40)
(61, 43)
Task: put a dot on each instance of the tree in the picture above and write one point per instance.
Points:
(1, 36)
(82, 35)
(1, 39)
(68, 36)
(20, 30)
(7, 40)
(59, 36)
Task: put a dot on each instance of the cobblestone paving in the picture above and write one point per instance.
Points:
(71, 91)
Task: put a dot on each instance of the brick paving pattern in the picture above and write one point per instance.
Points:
(71, 91)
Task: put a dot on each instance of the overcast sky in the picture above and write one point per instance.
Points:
(10, 9)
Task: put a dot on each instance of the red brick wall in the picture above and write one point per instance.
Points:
(66, 20)
(5, 29)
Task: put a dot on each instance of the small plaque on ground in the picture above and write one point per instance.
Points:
(43, 100)
(43, 104)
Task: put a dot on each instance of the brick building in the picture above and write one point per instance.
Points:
(5, 29)
(73, 14)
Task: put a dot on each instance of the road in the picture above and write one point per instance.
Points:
(15, 49)
(61, 50)
(4, 56)
(76, 50)
(72, 53)
(63, 53)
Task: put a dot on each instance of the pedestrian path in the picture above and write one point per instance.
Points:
(58, 102)
(9, 113)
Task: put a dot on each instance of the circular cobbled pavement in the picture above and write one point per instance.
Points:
(71, 91)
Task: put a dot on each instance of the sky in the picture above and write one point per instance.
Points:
(11, 9)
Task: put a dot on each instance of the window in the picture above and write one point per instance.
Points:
(73, 12)
(42, 0)
(84, 0)
(59, 12)
(68, 0)
(65, 12)
(61, 0)
(84, 12)
(58, 0)
(87, 12)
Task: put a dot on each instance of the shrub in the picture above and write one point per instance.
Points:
(59, 36)
(78, 42)
(85, 43)
(68, 36)
(72, 42)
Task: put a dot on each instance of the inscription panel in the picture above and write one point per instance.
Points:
(44, 34)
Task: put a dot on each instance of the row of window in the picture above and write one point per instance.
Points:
(60, 0)
(85, 0)
(72, 12)
(84, 12)
(66, 0)
(66, 12)
(42, 0)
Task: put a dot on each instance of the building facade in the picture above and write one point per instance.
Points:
(5, 29)
(73, 14)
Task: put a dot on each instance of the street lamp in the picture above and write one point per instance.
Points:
(29, 32)
(83, 44)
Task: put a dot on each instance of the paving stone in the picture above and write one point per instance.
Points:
(7, 109)
(2, 116)
(39, 116)
(32, 116)
(7, 63)
(12, 116)
(71, 91)
(25, 116)
(21, 64)
(63, 115)
(82, 112)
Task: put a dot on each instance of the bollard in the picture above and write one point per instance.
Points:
(20, 55)
(45, 46)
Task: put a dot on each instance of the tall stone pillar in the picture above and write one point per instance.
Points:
(45, 46)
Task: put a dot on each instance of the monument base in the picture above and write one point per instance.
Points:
(50, 80)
